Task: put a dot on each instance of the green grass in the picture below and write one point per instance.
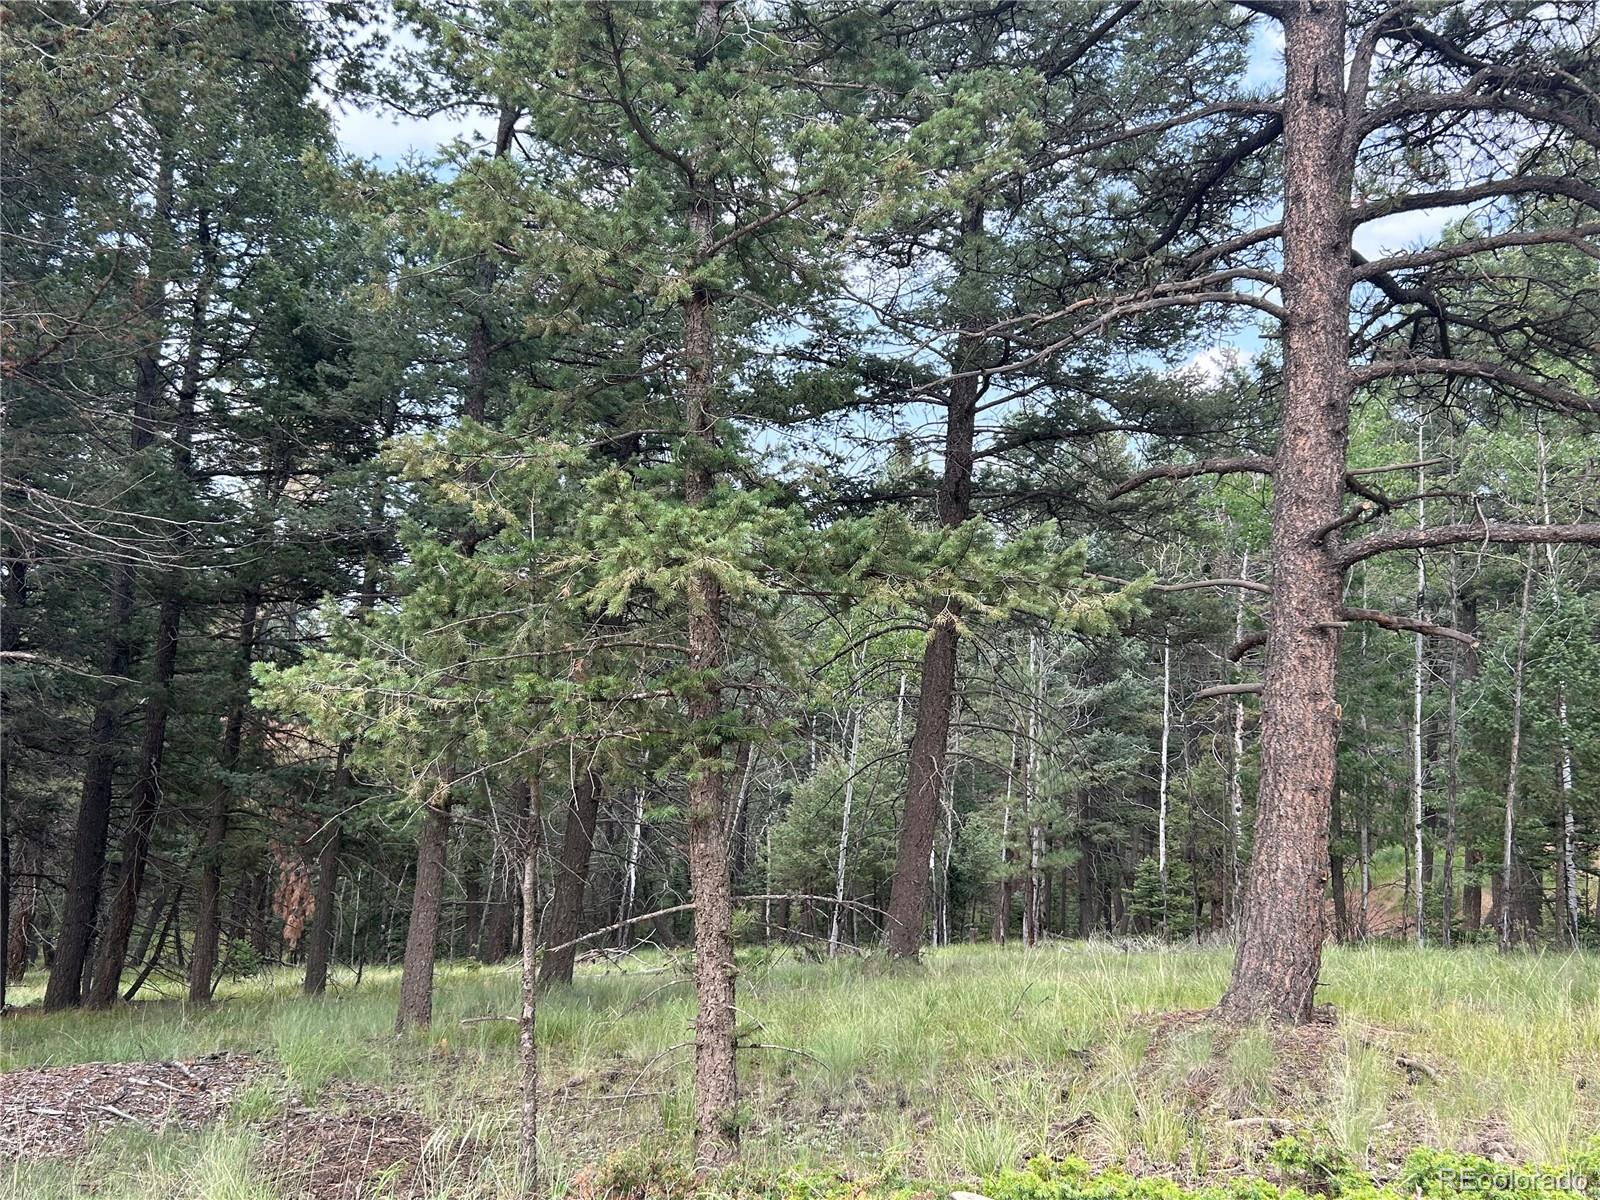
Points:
(979, 1060)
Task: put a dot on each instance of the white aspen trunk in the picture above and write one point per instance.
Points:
(630, 881)
(1161, 787)
(949, 832)
(1417, 780)
(844, 832)
(1569, 860)
(900, 710)
(1515, 763)
(1236, 768)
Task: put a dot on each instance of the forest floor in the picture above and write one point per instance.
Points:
(980, 1059)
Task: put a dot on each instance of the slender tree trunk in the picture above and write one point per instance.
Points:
(930, 736)
(572, 875)
(1002, 905)
(1505, 903)
(857, 720)
(1447, 880)
(1161, 786)
(208, 919)
(422, 931)
(1341, 907)
(527, 1041)
(1280, 947)
(1418, 776)
(145, 806)
(1236, 776)
(13, 935)
(630, 879)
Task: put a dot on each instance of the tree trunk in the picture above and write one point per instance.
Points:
(1418, 772)
(145, 806)
(13, 935)
(1236, 776)
(85, 876)
(844, 831)
(572, 874)
(319, 951)
(208, 920)
(1161, 787)
(422, 931)
(527, 1040)
(1514, 764)
(1281, 931)
(930, 737)
(716, 1083)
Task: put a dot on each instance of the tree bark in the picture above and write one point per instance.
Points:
(422, 931)
(857, 718)
(527, 1040)
(930, 737)
(319, 950)
(208, 919)
(1281, 931)
(13, 935)
(572, 876)
(145, 806)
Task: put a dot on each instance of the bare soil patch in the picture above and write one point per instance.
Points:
(367, 1145)
(48, 1112)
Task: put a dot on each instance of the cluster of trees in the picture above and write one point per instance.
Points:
(784, 480)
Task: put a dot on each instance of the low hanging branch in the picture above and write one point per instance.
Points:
(1454, 535)
(1257, 464)
(1228, 689)
(1407, 625)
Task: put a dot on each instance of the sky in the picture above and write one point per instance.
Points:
(389, 137)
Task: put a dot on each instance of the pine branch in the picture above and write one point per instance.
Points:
(1209, 466)
(1401, 624)
(1553, 394)
(1454, 535)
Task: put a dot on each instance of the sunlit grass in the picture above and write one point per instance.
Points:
(982, 1056)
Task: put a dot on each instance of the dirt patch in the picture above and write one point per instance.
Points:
(1256, 1082)
(49, 1112)
(362, 1145)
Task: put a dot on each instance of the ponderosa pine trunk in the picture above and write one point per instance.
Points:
(930, 736)
(319, 949)
(422, 930)
(572, 877)
(1281, 931)
(716, 1085)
